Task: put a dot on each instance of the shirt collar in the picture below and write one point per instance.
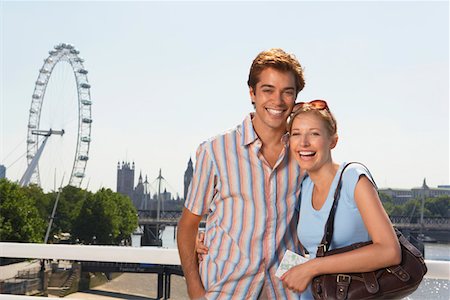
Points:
(249, 134)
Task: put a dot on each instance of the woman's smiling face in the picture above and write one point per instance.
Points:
(310, 141)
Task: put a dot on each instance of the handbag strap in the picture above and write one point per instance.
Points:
(329, 225)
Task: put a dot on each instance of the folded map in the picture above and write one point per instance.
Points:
(290, 259)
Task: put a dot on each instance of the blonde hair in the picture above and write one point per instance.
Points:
(325, 114)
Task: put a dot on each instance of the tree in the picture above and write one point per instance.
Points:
(20, 220)
(70, 202)
(395, 210)
(438, 207)
(107, 216)
(42, 201)
(128, 215)
(385, 198)
(389, 208)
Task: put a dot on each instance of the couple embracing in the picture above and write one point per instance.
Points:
(266, 187)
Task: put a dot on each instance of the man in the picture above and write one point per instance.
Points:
(248, 184)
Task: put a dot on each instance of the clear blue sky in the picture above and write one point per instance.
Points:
(166, 76)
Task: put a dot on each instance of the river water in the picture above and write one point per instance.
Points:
(429, 289)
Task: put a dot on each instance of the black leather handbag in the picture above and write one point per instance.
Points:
(394, 282)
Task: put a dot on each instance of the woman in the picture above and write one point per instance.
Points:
(359, 217)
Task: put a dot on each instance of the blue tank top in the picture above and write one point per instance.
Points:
(349, 227)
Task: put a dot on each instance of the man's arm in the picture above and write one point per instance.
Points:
(186, 239)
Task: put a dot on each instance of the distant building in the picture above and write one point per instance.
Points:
(140, 194)
(125, 179)
(400, 196)
(2, 171)
(188, 177)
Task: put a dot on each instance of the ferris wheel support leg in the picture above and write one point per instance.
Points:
(25, 180)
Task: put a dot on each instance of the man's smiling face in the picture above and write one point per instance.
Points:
(273, 97)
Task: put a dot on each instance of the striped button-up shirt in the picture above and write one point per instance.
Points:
(251, 214)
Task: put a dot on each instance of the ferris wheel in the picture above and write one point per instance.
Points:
(38, 133)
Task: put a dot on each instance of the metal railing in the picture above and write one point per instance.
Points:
(433, 223)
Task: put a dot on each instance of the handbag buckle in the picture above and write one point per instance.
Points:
(343, 278)
(322, 247)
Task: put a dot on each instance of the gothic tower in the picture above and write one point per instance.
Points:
(188, 177)
(138, 194)
(125, 179)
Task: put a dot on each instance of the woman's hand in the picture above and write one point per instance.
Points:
(200, 247)
(298, 278)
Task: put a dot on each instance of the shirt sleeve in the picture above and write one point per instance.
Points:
(202, 187)
(350, 180)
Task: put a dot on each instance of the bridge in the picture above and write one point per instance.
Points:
(170, 218)
(166, 217)
(153, 224)
(434, 223)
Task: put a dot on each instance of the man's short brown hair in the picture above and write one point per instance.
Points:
(280, 60)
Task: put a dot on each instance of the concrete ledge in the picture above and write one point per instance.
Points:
(21, 297)
(151, 255)
(438, 269)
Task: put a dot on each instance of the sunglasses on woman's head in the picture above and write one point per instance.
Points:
(313, 105)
